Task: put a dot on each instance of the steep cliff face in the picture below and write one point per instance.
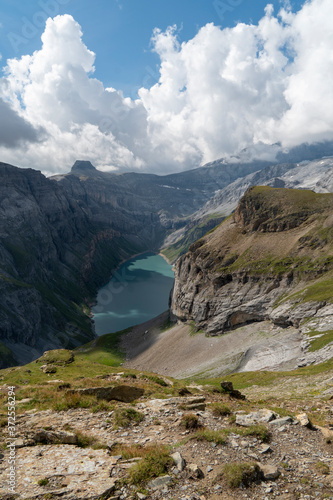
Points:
(272, 259)
(61, 238)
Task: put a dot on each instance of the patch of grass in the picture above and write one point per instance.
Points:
(124, 417)
(237, 474)
(156, 380)
(190, 421)
(258, 430)
(211, 436)
(321, 340)
(220, 410)
(57, 357)
(105, 349)
(322, 468)
(194, 330)
(155, 461)
(87, 441)
(264, 378)
(43, 482)
(73, 400)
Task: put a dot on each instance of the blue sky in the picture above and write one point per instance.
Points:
(113, 82)
(119, 31)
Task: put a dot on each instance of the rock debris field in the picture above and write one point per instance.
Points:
(203, 431)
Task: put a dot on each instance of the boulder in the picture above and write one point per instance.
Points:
(269, 472)
(123, 393)
(48, 369)
(160, 482)
(261, 416)
(279, 422)
(304, 420)
(54, 437)
(179, 460)
(229, 389)
(195, 472)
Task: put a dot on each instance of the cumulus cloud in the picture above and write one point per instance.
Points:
(250, 86)
(14, 129)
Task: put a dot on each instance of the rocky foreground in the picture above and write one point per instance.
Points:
(269, 452)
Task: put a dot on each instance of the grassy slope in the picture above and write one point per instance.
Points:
(172, 252)
(255, 243)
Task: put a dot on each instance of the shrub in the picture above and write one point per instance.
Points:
(43, 482)
(220, 410)
(155, 462)
(124, 417)
(239, 474)
(87, 441)
(322, 468)
(190, 421)
(258, 430)
(157, 380)
(210, 435)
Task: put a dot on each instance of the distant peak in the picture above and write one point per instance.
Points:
(81, 166)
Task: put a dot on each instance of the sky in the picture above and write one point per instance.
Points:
(157, 86)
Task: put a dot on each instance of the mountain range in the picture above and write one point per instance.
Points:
(62, 237)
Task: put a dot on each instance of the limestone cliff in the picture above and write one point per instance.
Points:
(62, 237)
(272, 259)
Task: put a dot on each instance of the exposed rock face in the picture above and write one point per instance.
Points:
(61, 238)
(276, 242)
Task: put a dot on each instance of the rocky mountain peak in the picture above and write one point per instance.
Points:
(83, 167)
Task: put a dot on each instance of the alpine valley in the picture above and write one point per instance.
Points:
(227, 394)
(62, 237)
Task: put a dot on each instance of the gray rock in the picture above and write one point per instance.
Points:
(179, 460)
(304, 420)
(195, 472)
(48, 369)
(279, 422)
(270, 472)
(54, 437)
(160, 482)
(265, 448)
(195, 407)
(255, 417)
(124, 393)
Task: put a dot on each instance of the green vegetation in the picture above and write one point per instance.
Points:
(211, 436)
(57, 357)
(242, 380)
(124, 417)
(207, 224)
(190, 421)
(257, 430)
(86, 441)
(43, 482)
(237, 474)
(320, 340)
(104, 350)
(167, 325)
(157, 380)
(220, 409)
(155, 461)
(322, 468)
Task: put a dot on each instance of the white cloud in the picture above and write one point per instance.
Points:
(222, 91)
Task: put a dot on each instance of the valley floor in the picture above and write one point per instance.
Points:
(180, 352)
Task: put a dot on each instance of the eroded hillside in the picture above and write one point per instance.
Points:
(271, 260)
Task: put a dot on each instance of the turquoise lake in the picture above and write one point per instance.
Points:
(138, 291)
